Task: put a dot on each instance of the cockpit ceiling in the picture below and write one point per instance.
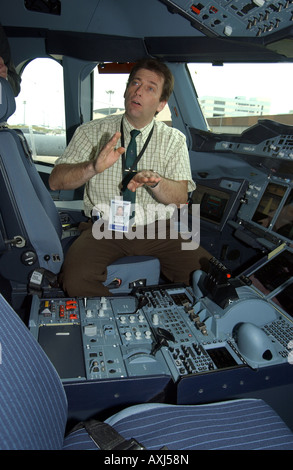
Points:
(174, 30)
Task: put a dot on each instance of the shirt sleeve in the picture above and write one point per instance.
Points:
(79, 149)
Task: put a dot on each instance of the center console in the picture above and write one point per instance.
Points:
(169, 340)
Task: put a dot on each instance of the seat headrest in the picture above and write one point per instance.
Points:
(7, 100)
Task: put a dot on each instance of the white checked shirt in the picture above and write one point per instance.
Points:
(166, 153)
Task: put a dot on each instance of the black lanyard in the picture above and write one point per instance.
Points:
(139, 155)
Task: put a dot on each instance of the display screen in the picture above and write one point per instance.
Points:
(269, 203)
(212, 202)
(221, 357)
(268, 207)
(274, 273)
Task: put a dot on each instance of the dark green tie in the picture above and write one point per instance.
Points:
(131, 155)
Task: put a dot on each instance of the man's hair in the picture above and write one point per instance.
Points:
(161, 69)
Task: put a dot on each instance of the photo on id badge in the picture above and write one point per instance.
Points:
(119, 215)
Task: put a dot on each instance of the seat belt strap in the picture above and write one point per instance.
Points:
(39, 278)
(107, 438)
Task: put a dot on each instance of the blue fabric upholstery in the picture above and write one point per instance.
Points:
(33, 409)
(245, 424)
(237, 424)
(27, 215)
(22, 150)
(33, 405)
(26, 207)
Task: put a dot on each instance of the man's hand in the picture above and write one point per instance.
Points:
(144, 178)
(74, 175)
(108, 155)
(167, 191)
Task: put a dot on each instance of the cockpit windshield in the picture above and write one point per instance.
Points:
(234, 96)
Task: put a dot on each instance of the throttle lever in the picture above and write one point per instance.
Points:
(162, 337)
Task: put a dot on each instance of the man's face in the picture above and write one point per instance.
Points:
(142, 97)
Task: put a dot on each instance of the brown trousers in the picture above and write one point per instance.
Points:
(85, 266)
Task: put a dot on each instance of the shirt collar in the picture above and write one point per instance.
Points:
(144, 131)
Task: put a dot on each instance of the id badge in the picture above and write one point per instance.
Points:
(119, 216)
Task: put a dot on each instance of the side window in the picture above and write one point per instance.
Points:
(109, 91)
(40, 109)
(234, 97)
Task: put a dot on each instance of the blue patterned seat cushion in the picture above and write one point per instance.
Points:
(234, 425)
(33, 404)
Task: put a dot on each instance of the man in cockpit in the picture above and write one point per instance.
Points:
(97, 158)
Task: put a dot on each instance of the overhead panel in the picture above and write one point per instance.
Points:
(237, 18)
